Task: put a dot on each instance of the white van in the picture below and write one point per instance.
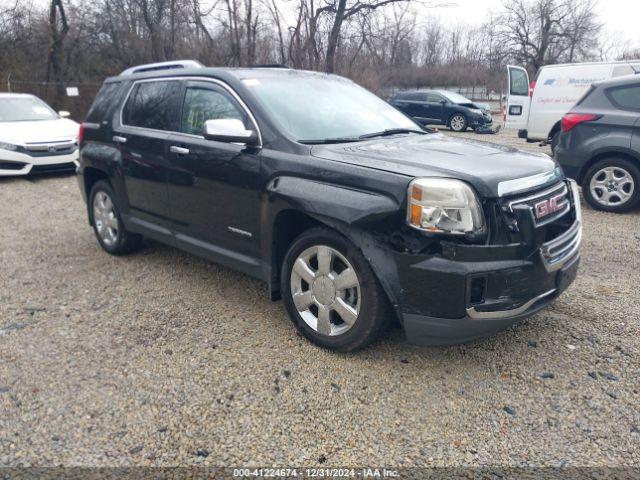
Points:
(535, 108)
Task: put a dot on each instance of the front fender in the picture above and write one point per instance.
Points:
(361, 216)
(347, 205)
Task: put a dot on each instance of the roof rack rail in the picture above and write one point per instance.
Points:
(152, 67)
(270, 65)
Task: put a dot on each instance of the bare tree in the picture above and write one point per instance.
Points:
(539, 32)
(58, 30)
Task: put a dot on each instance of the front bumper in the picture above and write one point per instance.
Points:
(470, 292)
(480, 120)
(14, 163)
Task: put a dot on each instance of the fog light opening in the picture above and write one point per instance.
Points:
(478, 289)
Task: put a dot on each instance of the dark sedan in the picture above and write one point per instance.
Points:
(599, 145)
(441, 107)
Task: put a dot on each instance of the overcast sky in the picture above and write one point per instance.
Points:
(618, 16)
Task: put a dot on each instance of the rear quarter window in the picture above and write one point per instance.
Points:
(586, 95)
(152, 105)
(625, 98)
(622, 70)
(106, 97)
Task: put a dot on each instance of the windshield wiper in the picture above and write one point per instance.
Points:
(326, 141)
(384, 133)
(392, 131)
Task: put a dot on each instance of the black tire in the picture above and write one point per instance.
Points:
(622, 165)
(374, 313)
(463, 126)
(125, 242)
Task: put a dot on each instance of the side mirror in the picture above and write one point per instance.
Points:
(230, 130)
(64, 114)
(443, 102)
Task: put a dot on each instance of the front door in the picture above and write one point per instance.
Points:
(213, 186)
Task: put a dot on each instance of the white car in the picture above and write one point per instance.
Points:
(34, 138)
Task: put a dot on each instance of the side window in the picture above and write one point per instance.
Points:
(620, 70)
(152, 105)
(434, 98)
(202, 104)
(519, 84)
(416, 97)
(104, 99)
(627, 97)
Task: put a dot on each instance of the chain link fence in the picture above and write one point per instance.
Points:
(77, 104)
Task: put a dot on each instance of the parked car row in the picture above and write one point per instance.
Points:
(348, 209)
(535, 108)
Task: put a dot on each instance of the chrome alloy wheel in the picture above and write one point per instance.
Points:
(612, 186)
(104, 218)
(457, 123)
(325, 290)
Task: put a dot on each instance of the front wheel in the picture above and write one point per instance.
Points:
(458, 122)
(612, 185)
(331, 293)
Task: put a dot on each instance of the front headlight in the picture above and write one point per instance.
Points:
(444, 205)
(8, 146)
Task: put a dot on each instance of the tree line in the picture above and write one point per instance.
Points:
(378, 43)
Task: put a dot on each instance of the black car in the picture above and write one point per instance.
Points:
(441, 107)
(599, 144)
(345, 207)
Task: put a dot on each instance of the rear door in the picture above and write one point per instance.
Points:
(518, 99)
(149, 113)
(626, 117)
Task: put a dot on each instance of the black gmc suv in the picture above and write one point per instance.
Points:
(349, 210)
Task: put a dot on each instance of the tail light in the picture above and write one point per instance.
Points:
(80, 133)
(571, 120)
(532, 86)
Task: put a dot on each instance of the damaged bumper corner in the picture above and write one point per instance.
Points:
(472, 291)
(479, 298)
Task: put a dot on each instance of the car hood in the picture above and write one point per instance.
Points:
(41, 131)
(492, 169)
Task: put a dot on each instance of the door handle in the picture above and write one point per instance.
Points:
(118, 139)
(179, 150)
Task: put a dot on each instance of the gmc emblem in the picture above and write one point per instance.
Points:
(549, 206)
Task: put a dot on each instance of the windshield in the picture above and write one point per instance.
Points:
(321, 107)
(23, 109)
(455, 97)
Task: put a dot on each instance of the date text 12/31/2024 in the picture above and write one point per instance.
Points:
(315, 473)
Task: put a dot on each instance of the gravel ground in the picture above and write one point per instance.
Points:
(160, 358)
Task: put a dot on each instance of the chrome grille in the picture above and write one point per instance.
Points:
(548, 205)
(556, 252)
(49, 149)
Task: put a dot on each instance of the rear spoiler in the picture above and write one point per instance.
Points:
(152, 67)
